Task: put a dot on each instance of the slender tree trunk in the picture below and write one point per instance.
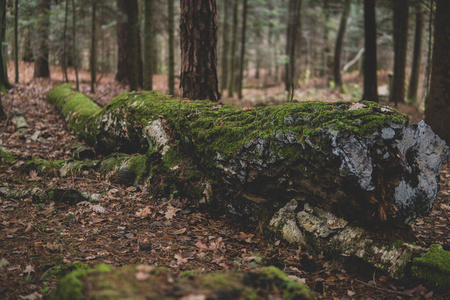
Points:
(129, 68)
(148, 45)
(291, 38)
(417, 55)
(4, 83)
(429, 51)
(339, 43)
(133, 45)
(2, 112)
(401, 15)
(242, 58)
(198, 30)
(326, 49)
(225, 46)
(370, 56)
(93, 60)
(41, 67)
(171, 48)
(64, 54)
(437, 105)
(74, 47)
(122, 38)
(231, 78)
(16, 40)
(27, 48)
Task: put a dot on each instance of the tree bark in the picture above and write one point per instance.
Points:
(133, 45)
(232, 61)
(93, 58)
(437, 105)
(4, 81)
(417, 55)
(198, 30)
(75, 54)
(401, 15)
(16, 40)
(171, 78)
(338, 46)
(225, 46)
(291, 42)
(64, 52)
(370, 56)
(360, 161)
(129, 68)
(41, 67)
(242, 56)
(148, 45)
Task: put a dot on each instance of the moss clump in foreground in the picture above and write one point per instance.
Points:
(149, 282)
(433, 268)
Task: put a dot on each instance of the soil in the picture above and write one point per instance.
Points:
(130, 227)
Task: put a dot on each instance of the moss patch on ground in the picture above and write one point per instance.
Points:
(433, 268)
(149, 282)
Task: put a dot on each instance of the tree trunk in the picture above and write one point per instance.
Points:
(27, 48)
(198, 30)
(74, 47)
(232, 77)
(417, 55)
(4, 81)
(129, 68)
(93, 58)
(16, 40)
(291, 41)
(326, 50)
(41, 67)
(370, 57)
(133, 45)
(225, 46)
(437, 105)
(242, 57)
(171, 78)
(339, 43)
(149, 40)
(362, 161)
(401, 15)
(64, 54)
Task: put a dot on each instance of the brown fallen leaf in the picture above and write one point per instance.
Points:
(171, 212)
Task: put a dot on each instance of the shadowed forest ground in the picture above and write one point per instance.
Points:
(132, 227)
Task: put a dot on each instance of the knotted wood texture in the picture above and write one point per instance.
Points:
(360, 161)
(198, 31)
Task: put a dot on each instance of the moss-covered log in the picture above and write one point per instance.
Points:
(150, 282)
(361, 161)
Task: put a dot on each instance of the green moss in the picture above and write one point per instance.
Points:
(43, 167)
(225, 129)
(190, 273)
(71, 286)
(433, 268)
(291, 288)
(6, 157)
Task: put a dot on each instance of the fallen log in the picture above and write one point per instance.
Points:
(360, 161)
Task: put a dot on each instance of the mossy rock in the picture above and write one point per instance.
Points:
(149, 282)
(433, 268)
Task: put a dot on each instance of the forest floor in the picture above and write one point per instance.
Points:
(130, 227)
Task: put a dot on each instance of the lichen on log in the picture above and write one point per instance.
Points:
(361, 161)
(321, 231)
